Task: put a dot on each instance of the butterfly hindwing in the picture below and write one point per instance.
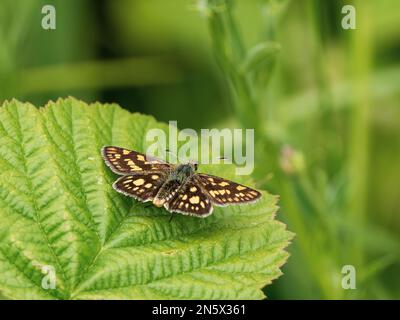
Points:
(142, 186)
(224, 192)
(124, 161)
(191, 200)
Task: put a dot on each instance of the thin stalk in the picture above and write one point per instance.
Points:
(361, 56)
(230, 52)
(305, 239)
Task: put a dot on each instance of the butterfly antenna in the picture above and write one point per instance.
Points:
(170, 219)
(176, 156)
(223, 158)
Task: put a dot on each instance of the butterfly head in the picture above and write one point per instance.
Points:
(194, 165)
(186, 170)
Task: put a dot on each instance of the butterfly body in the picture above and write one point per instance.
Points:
(177, 178)
(179, 188)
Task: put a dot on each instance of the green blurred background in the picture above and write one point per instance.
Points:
(324, 102)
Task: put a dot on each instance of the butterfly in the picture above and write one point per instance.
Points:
(177, 187)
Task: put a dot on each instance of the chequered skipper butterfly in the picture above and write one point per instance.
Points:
(179, 188)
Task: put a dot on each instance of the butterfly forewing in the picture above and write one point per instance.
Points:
(223, 192)
(124, 161)
(142, 186)
(191, 200)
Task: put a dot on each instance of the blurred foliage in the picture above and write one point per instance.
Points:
(324, 102)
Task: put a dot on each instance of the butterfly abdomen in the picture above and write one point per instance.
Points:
(167, 192)
(173, 184)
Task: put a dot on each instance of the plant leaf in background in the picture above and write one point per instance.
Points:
(259, 62)
(59, 212)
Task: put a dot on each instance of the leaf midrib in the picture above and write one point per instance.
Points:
(103, 243)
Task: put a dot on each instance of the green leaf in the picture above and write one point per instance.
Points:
(262, 53)
(58, 209)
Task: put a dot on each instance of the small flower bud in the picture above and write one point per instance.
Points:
(291, 160)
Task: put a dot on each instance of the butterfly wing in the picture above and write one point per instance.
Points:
(191, 200)
(123, 161)
(224, 192)
(141, 186)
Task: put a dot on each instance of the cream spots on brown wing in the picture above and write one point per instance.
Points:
(181, 205)
(127, 181)
(230, 199)
(193, 189)
(202, 204)
(117, 156)
(138, 182)
(197, 208)
(228, 191)
(125, 152)
(210, 179)
(224, 184)
(140, 157)
(254, 193)
(184, 197)
(240, 188)
(148, 185)
(133, 165)
(186, 205)
(135, 188)
(222, 192)
(194, 200)
(236, 198)
(154, 177)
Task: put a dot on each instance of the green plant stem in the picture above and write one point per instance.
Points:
(99, 74)
(361, 55)
(230, 52)
(318, 263)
